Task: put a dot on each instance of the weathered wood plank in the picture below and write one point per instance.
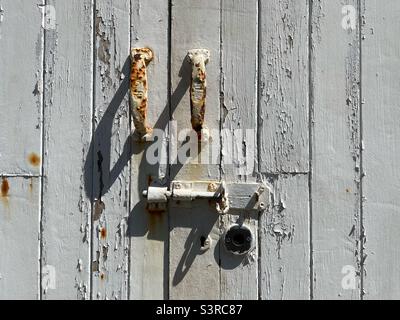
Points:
(110, 251)
(21, 69)
(381, 136)
(195, 274)
(283, 55)
(19, 229)
(239, 274)
(149, 230)
(68, 127)
(284, 241)
(336, 152)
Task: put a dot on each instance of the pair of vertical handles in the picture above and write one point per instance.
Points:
(140, 58)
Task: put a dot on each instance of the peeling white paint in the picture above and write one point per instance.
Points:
(1, 18)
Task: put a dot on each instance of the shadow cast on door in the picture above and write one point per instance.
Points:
(99, 176)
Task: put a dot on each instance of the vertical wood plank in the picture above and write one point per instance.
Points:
(68, 127)
(284, 87)
(284, 148)
(149, 230)
(381, 134)
(21, 69)
(19, 250)
(284, 241)
(110, 251)
(336, 152)
(239, 45)
(21, 105)
(195, 274)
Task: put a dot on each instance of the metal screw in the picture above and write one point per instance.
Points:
(262, 205)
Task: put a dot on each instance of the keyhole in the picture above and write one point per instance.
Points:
(238, 239)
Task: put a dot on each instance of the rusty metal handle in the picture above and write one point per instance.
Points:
(198, 89)
(140, 58)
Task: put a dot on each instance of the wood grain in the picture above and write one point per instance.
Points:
(239, 275)
(284, 241)
(381, 134)
(68, 128)
(283, 117)
(19, 228)
(149, 230)
(110, 151)
(336, 151)
(194, 26)
(21, 69)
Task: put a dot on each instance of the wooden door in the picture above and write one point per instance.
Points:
(301, 97)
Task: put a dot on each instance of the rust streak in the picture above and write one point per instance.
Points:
(5, 188)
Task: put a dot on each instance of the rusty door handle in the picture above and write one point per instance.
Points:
(198, 88)
(140, 58)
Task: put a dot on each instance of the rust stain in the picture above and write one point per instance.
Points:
(103, 233)
(149, 180)
(5, 188)
(140, 59)
(102, 276)
(34, 159)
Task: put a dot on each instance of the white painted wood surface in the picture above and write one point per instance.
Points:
(316, 79)
(148, 230)
(284, 148)
(19, 211)
(68, 98)
(336, 151)
(21, 67)
(109, 152)
(284, 240)
(21, 107)
(284, 86)
(239, 38)
(188, 225)
(380, 79)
